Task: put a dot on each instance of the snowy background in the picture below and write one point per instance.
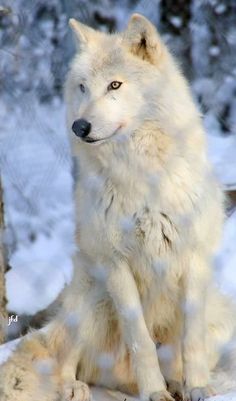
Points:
(35, 48)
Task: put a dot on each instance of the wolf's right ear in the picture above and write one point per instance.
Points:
(83, 33)
(142, 39)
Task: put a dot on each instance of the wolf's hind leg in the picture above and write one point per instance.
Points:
(64, 342)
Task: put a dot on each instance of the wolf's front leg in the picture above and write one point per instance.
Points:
(196, 370)
(172, 367)
(122, 288)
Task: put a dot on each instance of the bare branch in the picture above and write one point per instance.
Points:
(3, 301)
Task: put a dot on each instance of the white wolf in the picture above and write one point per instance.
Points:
(149, 218)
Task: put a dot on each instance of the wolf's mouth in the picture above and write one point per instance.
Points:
(91, 140)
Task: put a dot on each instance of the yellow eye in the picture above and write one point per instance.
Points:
(114, 85)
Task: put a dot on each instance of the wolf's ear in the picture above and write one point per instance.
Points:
(143, 39)
(83, 33)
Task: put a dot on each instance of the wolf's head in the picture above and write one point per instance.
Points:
(113, 81)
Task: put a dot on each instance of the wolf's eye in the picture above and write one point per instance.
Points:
(82, 88)
(114, 85)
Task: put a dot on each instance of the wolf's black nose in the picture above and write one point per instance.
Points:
(81, 127)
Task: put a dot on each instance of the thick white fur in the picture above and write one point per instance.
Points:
(149, 220)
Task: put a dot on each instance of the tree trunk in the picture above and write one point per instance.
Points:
(3, 312)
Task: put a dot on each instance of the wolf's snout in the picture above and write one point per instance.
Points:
(81, 127)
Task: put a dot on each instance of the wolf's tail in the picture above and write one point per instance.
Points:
(33, 370)
(30, 372)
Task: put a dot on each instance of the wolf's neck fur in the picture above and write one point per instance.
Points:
(141, 170)
(146, 153)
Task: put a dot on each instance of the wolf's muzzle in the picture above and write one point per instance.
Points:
(81, 127)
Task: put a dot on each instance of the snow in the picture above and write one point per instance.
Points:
(35, 273)
(214, 51)
(222, 151)
(7, 349)
(38, 189)
(176, 21)
(226, 397)
(226, 259)
(220, 9)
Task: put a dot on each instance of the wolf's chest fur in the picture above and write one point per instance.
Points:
(131, 225)
(127, 218)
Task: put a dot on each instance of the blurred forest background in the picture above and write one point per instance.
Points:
(36, 46)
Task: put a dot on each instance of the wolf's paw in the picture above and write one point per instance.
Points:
(176, 389)
(198, 394)
(161, 396)
(76, 391)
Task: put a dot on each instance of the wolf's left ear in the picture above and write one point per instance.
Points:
(83, 33)
(143, 39)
